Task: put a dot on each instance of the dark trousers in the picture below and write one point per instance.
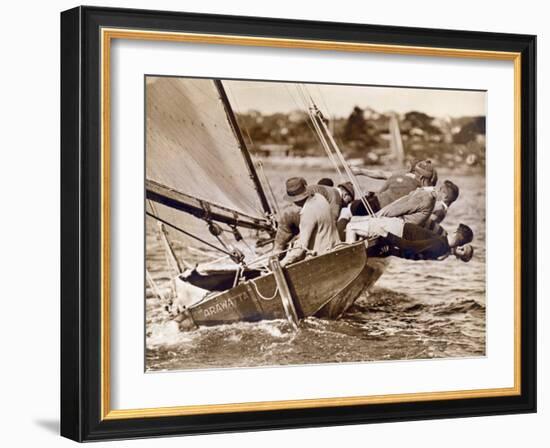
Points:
(358, 208)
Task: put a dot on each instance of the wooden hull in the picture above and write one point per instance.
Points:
(323, 286)
(338, 305)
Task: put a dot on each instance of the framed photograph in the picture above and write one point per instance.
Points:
(277, 224)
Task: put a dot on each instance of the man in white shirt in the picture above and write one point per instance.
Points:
(318, 232)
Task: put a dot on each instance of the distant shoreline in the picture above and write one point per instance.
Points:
(320, 163)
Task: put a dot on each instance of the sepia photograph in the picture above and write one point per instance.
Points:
(270, 223)
(294, 223)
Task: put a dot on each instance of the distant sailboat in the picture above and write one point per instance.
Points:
(396, 142)
(202, 186)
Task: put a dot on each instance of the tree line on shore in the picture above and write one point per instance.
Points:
(365, 134)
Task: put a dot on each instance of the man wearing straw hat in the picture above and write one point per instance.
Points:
(317, 228)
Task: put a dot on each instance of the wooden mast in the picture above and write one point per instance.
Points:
(244, 149)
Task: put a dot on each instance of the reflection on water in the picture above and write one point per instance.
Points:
(417, 310)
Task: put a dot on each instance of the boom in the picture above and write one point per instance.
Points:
(202, 209)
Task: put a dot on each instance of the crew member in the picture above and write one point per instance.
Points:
(415, 208)
(328, 182)
(317, 228)
(337, 197)
(419, 243)
(383, 174)
(396, 186)
(447, 195)
(288, 225)
(411, 241)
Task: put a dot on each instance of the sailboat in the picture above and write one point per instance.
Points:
(204, 190)
(396, 143)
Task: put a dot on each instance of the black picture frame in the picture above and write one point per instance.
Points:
(81, 215)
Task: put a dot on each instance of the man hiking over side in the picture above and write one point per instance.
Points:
(411, 241)
(447, 196)
(419, 243)
(422, 174)
(419, 206)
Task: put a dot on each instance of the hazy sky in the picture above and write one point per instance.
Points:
(337, 100)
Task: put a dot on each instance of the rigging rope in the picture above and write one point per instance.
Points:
(267, 299)
(350, 174)
(317, 130)
(311, 125)
(322, 98)
(154, 287)
(191, 235)
(260, 165)
(213, 261)
(298, 107)
(320, 126)
(326, 146)
(319, 122)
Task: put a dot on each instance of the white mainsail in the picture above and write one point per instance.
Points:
(195, 160)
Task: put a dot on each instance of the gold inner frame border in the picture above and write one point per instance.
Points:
(107, 35)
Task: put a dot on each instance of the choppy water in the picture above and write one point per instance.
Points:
(416, 310)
